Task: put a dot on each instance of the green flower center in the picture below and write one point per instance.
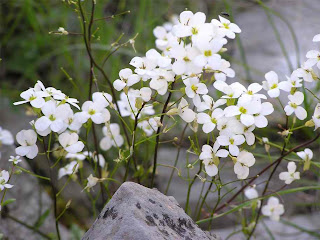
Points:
(293, 105)
(52, 118)
(194, 87)
(226, 25)
(32, 98)
(91, 112)
(208, 53)
(242, 110)
(186, 59)
(194, 31)
(274, 86)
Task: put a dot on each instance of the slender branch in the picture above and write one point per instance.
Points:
(53, 190)
(102, 72)
(112, 16)
(132, 148)
(264, 170)
(177, 158)
(204, 199)
(158, 137)
(28, 226)
(190, 186)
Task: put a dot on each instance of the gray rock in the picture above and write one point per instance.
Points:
(139, 213)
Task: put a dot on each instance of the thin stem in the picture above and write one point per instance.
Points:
(264, 170)
(177, 158)
(132, 148)
(53, 191)
(204, 199)
(102, 71)
(190, 186)
(29, 227)
(158, 137)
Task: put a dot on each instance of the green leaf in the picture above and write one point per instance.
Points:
(42, 218)
(8, 201)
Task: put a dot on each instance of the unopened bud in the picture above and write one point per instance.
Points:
(309, 123)
(173, 111)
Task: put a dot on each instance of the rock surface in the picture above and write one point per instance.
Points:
(139, 213)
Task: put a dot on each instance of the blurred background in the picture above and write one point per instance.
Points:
(276, 35)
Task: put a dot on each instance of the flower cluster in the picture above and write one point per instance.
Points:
(61, 116)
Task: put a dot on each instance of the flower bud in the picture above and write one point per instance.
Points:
(309, 123)
(172, 112)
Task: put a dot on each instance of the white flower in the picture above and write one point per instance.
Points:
(316, 116)
(92, 181)
(273, 209)
(229, 126)
(127, 78)
(246, 110)
(103, 99)
(160, 79)
(15, 160)
(293, 106)
(306, 155)
(291, 175)
(94, 111)
(227, 28)
(209, 121)
(208, 50)
(185, 112)
(161, 61)
(6, 137)
(112, 137)
(143, 66)
(194, 87)
(292, 82)
(78, 156)
(150, 126)
(210, 157)
(62, 31)
(220, 67)
(259, 118)
(94, 156)
(145, 93)
(272, 84)
(251, 192)
(189, 24)
(54, 117)
(208, 103)
(244, 161)
(233, 90)
(4, 178)
(69, 169)
(127, 104)
(69, 141)
(65, 99)
(27, 139)
(184, 63)
(232, 142)
(316, 38)
(74, 121)
(248, 134)
(307, 74)
(35, 98)
(252, 93)
(313, 59)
